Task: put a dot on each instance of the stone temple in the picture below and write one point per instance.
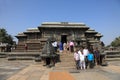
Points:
(35, 38)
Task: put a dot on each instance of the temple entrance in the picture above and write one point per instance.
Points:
(64, 38)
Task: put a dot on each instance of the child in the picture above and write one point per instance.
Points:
(90, 58)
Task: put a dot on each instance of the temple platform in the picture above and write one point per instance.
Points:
(38, 72)
(112, 55)
(31, 70)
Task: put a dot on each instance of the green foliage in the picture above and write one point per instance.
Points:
(116, 42)
(4, 37)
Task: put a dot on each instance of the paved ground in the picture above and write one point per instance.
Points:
(8, 68)
(30, 70)
(99, 73)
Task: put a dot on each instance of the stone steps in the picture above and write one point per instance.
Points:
(67, 62)
(3, 55)
(19, 48)
(112, 59)
(112, 55)
(32, 47)
(16, 50)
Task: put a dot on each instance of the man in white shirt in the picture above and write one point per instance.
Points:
(82, 58)
(54, 44)
(86, 52)
(82, 61)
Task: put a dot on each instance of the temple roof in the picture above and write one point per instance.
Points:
(93, 41)
(98, 35)
(21, 35)
(32, 30)
(90, 31)
(62, 25)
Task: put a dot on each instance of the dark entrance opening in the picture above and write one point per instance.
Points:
(64, 38)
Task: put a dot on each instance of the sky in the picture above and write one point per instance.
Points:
(101, 15)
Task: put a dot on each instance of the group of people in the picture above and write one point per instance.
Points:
(85, 57)
(63, 46)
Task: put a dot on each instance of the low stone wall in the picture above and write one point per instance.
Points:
(22, 55)
(3, 54)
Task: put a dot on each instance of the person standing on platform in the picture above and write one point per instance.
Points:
(68, 48)
(54, 44)
(80, 53)
(65, 47)
(91, 49)
(82, 60)
(71, 46)
(26, 47)
(97, 56)
(77, 58)
(86, 52)
(90, 58)
(61, 46)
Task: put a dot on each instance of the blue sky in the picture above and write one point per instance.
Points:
(102, 15)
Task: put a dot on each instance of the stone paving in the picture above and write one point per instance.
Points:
(8, 68)
(30, 70)
(97, 73)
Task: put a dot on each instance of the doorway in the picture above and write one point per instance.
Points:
(64, 38)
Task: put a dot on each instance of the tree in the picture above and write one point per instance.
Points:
(5, 37)
(116, 42)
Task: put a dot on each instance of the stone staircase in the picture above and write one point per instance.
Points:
(112, 55)
(66, 62)
(3, 54)
(19, 48)
(32, 47)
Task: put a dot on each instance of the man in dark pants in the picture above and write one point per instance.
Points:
(86, 52)
(77, 59)
(97, 56)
